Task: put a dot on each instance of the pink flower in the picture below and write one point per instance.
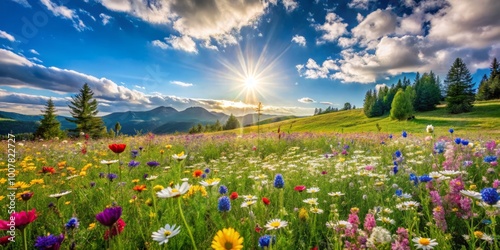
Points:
(370, 222)
(21, 220)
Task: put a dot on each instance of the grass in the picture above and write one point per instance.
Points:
(485, 116)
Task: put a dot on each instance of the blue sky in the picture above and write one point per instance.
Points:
(227, 55)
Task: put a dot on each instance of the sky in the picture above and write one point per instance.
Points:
(228, 55)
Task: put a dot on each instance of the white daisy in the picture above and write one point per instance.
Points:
(471, 194)
(165, 233)
(177, 191)
(316, 210)
(248, 203)
(179, 157)
(276, 224)
(335, 194)
(249, 197)
(152, 177)
(424, 243)
(59, 195)
(311, 201)
(108, 162)
(210, 182)
(312, 190)
(386, 220)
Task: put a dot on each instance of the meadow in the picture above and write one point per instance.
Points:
(247, 191)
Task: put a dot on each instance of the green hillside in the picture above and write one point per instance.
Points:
(485, 117)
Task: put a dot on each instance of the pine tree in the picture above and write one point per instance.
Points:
(49, 127)
(401, 105)
(459, 93)
(83, 109)
(483, 91)
(232, 123)
(368, 103)
(427, 92)
(494, 80)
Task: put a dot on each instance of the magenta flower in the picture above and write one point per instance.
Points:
(109, 216)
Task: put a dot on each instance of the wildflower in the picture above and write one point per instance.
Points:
(266, 201)
(386, 220)
(177, 191)
(266, 240)
(91, 226)
(439, 147)
(133, 164)
(134, 153)
(197, 173)
(303, 214)
(248, 203)
(139, 188)
(109, 216)
(153, 164)
(490, 159)
(227, 239)
(378, 237)
(490, 196)
(165, 233)
(276, 224)
(210, 182)
(335, 194)
(21, 219)
(46, 170)
(49, 242)
(465, 142)
(429, 129)
(158, 188)
(425, 178)
(26, 195)
(181, 156)
(224, 204)
(278, 181)
(72, 223)
(115, 230)
(111, 176)
(105, 162)
(233, 196)
(311, 201)
(483, 236)
(458, 140)
(117, 148)
(316, 210)
(222, 189)
(404, 134)
(451, 131)
(34, 181)
(312, 190)
(150, 178)
(424, 243)
(370, 222)
(59, 195)
(299, 188)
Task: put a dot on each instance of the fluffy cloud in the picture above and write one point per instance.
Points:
(197, 19)
(65, 13)
(312, 70)
(33, 51)
(306, 100)
(182, 84)
(184, 43)
(332, 29)
(105, 18)
(290, 5)
(360, 4)
(7, 36)
(376, 25)
(300, 40)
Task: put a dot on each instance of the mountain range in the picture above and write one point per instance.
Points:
(161, 120)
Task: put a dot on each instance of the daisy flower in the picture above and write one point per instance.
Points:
(177, 191)
(227, 238)
(249, 197)
(335, 194)
(152, 177)
(59, 195)
(210, 182)
(312, 190)
(311, 201)
(108, 162)
(316, 210)
(165, 233)
(181, 156)
(386, 220)
(424, 243)
(276, 224)
(471, 194)
(248, 203)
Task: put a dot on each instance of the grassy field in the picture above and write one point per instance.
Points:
(486, 116)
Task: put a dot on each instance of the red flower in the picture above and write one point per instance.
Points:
(266, 201)
(140, 188)
(46, 170)
(258, 228)
(299, 188)
(21, 220)
(84, 150)
(115, 230)
(117, 148)
(5, 240)
(197, 173)
(315, 248)
(233, 196)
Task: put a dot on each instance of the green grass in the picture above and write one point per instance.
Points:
(485, 116)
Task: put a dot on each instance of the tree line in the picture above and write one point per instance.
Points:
(330, 109)
(231, 123)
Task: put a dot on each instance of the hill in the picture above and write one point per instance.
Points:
(484, 117)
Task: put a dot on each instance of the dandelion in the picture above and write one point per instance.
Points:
(165, 233)
(227, 239)
(49, 242)
(276, 224)
(424, 243)
(177, 191)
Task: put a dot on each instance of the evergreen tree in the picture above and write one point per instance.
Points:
(118, 127)
(483, 91)
(83, 109)
(368, 103)
(232, 123)
(49, 127)
(401, 105)
(459, 93)
(494, 80)
(427, 92)
(347, 106)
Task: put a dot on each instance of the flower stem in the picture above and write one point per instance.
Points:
(24, 237)
(185, 223)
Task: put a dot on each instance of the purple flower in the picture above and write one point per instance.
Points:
(92, 184)
(111, 176)
(153, 163)
(134, 153)
(49, 242)
(109, 216)
(207, 170)
(133, 164)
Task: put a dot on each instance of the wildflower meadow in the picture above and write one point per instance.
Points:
(270, 191)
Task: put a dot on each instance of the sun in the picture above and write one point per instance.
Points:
(250, 82)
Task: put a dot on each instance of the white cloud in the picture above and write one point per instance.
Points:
(346, 42)
(327, 103)
(184, 43)
(24, 3)
(87, 14)
(376, 25)
(300, 40)
(7, 36)
(34, 59)
(33, 51)
(66, 13)
(359, 17)
(290, 5)
(312, 70)
(105, 18)
(306, 100)
(380, 86)
(182, 84)
(332, 28)
(138, 87)
(360, 4)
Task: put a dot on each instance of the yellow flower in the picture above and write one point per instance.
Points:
(195, 188)
(67, 202)
(3, 180)
(83, 173)
(162, 151)
(168, 146)
(478, 234)
(227, 239)
(158, 188)
(91, 226)
(21, 184)
(472, 187)
(152, 215)
(303, 215)
(2, 197)
(135, 180)
(61, 164)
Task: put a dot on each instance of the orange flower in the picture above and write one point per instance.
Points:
(48, 170)
(140, 188)
(197, 173)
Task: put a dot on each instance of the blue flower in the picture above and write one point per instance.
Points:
(72, 223)
(490, 158)
(224, 204)
(390, 136)
(398, 154)
(399, 192)
(49, 242)
(465, 142)
(451, 131)
(425, 178)
(458, 140)
(133, 164)
(414, 178)
(439, 147)
(395, 169)
(112, 176)
(222, 189)
(153, 163)
(490, 196)
(207, 170)
(266, 240)
(203, 176)
(278, 181)
(134, 153)
(404, 134)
